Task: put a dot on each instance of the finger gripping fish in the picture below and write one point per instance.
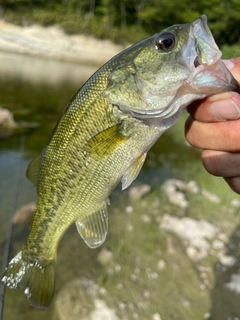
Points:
(103, 138)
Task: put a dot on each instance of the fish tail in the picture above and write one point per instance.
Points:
(36, 279)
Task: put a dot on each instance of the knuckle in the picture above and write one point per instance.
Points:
(212, 163)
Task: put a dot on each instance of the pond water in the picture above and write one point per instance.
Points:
(36, 91)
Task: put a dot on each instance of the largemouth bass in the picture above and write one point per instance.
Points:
(103, 138)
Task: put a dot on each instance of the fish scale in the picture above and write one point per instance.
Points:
(103, 137)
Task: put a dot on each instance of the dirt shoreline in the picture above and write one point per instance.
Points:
(53, 43)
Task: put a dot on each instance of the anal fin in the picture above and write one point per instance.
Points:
(133, 171)
(93, 228)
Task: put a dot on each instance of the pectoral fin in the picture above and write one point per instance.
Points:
(93, 228)
(108, 140)
(133, 171)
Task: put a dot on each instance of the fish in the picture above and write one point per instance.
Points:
(103, 137)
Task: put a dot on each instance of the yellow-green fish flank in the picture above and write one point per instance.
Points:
(103, 137)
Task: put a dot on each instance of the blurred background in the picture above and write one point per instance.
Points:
(172, 251)
(128, 20)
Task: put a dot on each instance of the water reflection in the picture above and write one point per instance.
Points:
(39, 71)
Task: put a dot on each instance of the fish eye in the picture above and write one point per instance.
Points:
(165, 41)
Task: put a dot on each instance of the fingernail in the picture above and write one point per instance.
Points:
(229, 64)
(225, 110)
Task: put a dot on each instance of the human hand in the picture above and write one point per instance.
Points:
(214, 126)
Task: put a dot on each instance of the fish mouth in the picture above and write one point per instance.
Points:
(213, 78)
(202, 57)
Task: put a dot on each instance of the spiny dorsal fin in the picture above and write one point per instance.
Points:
(33, 168)
(133, 171)
(93, 228)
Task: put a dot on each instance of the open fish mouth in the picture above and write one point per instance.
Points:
(213, 78)
(201, 54)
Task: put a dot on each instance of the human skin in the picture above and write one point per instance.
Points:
(214, 127)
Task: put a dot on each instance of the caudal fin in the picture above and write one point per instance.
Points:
(35, 279)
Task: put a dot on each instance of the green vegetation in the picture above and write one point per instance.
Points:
(127, 20)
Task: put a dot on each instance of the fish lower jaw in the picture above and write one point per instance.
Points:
(213, 78)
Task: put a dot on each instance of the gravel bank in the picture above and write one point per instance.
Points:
(53, 43)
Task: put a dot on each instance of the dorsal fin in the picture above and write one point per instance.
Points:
(33, 168)
(133, 171)
(93, 228)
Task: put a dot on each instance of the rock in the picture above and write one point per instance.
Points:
(207, 316)
(102, 311)
(146, 294)
(146, 218)
(6, 119)
(105, 256)
(161, 264)
(129, 209)
(218, 245)
(234, 283)
(190, 186)
(235, 203)
(7, 123)
(24, 215)
(196, 233)
(195, 254)
(174, 190)
(156, 316)
(136, 193)
(171, 188)
(79, 299)
(227, 261)
(211, 197)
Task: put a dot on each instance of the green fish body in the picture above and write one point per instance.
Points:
(103, 138)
